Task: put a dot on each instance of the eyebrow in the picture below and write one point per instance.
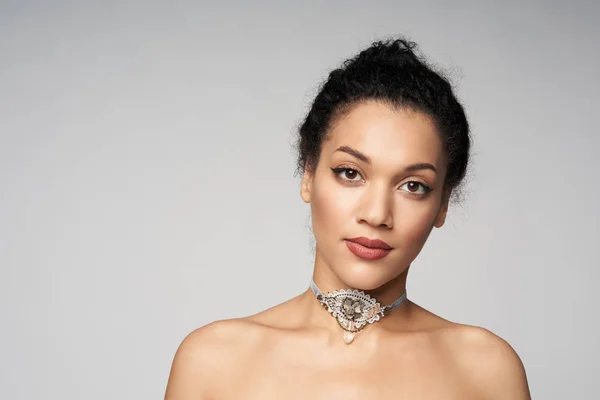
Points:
(364, 158)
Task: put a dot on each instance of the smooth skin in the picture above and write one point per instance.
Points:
(390, 158)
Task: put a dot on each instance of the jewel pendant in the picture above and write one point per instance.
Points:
(349, 337)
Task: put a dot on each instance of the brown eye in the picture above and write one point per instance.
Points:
(350, 174)
(347, 174)
(416, 187)
(413, 186)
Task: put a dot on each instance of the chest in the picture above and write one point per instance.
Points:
(392, 374)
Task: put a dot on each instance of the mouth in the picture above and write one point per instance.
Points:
(368, 249)
(370, 243)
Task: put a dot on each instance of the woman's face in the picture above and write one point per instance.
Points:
(380, 176)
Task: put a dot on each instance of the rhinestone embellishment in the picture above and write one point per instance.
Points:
(353, 310)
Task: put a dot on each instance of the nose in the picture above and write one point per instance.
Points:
(376, 208)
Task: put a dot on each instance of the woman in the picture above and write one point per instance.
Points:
(382, 151)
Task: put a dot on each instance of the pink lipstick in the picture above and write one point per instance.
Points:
(368, 249)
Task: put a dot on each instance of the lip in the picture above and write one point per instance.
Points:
(371, 243)
(367, 253)
(368, 249)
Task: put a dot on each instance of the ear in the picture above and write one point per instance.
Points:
(441, 216)
(306, 186)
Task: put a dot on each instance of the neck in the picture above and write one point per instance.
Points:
(327, 281)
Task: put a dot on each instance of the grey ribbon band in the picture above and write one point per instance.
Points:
(392, 306)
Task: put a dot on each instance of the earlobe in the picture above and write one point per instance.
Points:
(306, 186)
(441, 216)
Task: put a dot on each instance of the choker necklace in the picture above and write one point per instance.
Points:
(353, 309)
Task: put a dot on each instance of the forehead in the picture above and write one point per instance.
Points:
(388, 135)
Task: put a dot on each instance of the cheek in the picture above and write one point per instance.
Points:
(414, 224)
(330, 210)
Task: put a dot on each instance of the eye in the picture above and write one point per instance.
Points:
(347, 174)
(416, 187)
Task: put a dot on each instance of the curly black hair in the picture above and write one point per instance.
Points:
(388, 71)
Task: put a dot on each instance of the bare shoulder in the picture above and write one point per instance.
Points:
(488, 361)
(212, 356)
(208, 355)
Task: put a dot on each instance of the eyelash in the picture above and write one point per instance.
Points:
(339, 170)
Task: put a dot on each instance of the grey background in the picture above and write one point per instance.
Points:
(147, 187)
